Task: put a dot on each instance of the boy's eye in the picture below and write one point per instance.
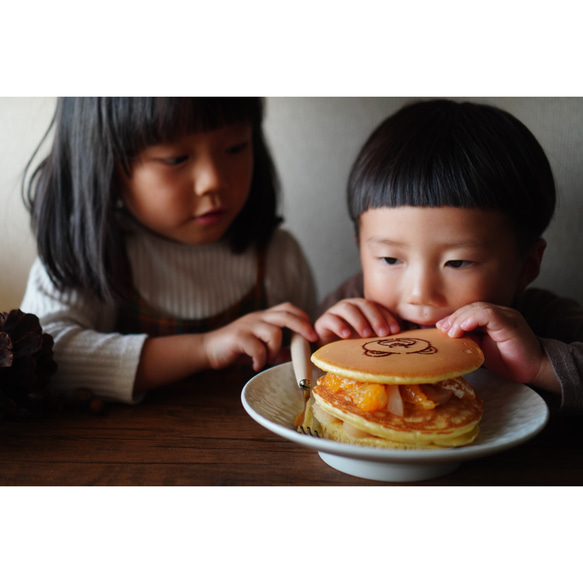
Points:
(458, 263)
(390, 260)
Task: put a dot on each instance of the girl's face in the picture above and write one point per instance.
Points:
(424, 263)
(190, 190)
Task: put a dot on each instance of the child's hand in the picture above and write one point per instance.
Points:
(257, 335)
(511, 349)
(355, 316)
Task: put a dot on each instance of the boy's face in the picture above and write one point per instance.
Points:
(424, 263)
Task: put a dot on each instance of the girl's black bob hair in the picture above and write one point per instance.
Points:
(72, 193)
(444, 153)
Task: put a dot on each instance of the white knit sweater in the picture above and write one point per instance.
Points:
(183, 281)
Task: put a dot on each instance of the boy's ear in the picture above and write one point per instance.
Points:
(531, 266)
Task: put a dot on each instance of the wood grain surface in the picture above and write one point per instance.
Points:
(197, 433)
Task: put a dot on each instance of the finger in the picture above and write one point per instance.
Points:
(255, 349)
(297, 323)
(353, 316)
(329, 327)
(379, 318)
(488, 318)
(289, 308)
(382, 320)
(271, 338)
(452, 324)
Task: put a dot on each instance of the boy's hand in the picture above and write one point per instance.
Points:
(511, 349)
(355, 316)
(257, 335)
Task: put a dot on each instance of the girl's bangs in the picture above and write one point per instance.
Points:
(139, 122)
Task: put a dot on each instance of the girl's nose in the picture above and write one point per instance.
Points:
(208, 176)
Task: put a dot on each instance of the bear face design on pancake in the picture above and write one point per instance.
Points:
(389, 346)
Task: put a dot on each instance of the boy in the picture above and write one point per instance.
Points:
(449, 203)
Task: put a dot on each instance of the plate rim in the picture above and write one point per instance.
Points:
(358, 452)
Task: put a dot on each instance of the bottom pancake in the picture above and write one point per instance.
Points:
(451, 424)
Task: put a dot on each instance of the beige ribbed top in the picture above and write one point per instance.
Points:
(184, 281)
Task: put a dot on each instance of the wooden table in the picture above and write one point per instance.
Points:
(199, 434)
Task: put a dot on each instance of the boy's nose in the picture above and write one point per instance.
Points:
(208, 176)
(424, 288)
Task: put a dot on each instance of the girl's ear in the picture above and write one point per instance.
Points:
(531, 266)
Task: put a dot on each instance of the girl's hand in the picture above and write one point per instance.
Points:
(257, 335)
(511, 349)
(355, 316)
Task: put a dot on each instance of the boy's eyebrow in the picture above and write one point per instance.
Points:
(384, 241)
(453, 244)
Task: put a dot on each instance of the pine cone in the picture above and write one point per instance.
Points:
(26, 362)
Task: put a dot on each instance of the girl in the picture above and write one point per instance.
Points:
(159, 249)
(449, 202)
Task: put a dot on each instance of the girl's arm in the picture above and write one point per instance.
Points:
(118, 367)
(256, 336)
(87, 352)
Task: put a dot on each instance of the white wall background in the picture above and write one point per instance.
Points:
(314, 142)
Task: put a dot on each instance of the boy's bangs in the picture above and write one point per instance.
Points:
(418, 180)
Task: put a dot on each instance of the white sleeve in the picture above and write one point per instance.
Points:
(88, 354)
(288, 274)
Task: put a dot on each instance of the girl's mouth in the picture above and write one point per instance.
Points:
(211, 218)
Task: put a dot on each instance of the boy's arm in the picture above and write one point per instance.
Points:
(558, 322)
(543, 335)
(567, 363)
(511, 349)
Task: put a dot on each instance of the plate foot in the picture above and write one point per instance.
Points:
(387, 472)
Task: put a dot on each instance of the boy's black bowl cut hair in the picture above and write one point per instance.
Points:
(72, 193)
(443, 153)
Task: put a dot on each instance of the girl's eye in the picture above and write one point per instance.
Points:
(391, 260)
(174, 160)
(237, 148)
(458, 263)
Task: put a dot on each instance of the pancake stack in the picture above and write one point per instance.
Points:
(403, 392)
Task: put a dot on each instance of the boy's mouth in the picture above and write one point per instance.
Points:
(415, 326)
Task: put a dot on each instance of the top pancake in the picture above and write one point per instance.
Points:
(414, 356)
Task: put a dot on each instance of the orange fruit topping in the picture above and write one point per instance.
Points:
(414, 394)
(366, 396)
